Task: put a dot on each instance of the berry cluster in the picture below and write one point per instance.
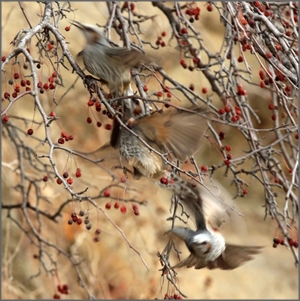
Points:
(279, 241)
(160, 41)
(63, 289)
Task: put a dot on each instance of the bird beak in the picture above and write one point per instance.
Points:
(78, 25)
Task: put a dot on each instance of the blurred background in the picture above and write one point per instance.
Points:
(110, 268)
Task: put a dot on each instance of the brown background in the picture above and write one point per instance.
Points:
(111, 268)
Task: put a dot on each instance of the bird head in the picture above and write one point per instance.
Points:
(92, 33)
(200, 243)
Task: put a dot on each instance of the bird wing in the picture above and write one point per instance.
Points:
(175, 132)
(191, 261)
(234, 256)
(128, 57)
(215, 211)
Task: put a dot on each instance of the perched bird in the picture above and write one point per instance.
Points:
(111, 64)
(174, 133)
(207, 245)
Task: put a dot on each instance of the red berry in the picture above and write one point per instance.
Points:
(50, 46)
(97, 231)
(163, 34)
(136, 212)
(45, 86)
(135, 207)
(30, 131)
(245, 191)
(117, 205)
(123, 209)
(3, 58)
(108, 127)
(51, 86)
(78, 174)
(45, 178)
(227, 109)
(159, 93)
(67, 28)
(162, 44)
(234, 118)
(271, 106)
(52, 114)
(295, 244)
(261, 75)
(229, 156)
(268, 55)
(58, 181)
(131, 6)
(39, 84)
(79, 221)
(70, 181)
(89, 120)
(273, 117)
(106, 193)
(209, 7)
(61, 140)
(278, 47)
(221, 135)
(192, 87)
(65, 174)
(98, 106)
(108, 206)
(262, 84)
(56, 296)
(90, 103)
(240, 59)
(204, 90)
(204, 168)
(164, 181)
(5, 118)
(16, 75)
(6, 95)
(145, 88)
(196, 60)
(184, 30)
(221, 111)
(23, 83)
(227, 162)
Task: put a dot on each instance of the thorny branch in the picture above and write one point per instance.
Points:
(267, 33)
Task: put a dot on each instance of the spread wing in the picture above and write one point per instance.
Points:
(191, 261)
(178, 133)
(234, 256)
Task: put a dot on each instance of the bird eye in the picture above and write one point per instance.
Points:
(203, 243)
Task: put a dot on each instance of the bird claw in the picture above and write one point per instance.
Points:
(91, 83)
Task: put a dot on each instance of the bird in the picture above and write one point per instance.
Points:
(109, 63)
(174, 133)
(206, 244)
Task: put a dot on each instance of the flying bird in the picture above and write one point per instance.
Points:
(207, 245)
